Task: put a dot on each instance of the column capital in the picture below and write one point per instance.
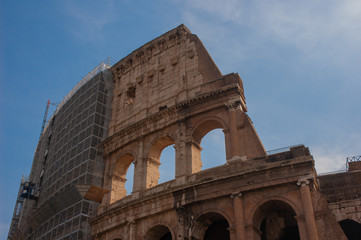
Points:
(303, 182)
(131, 222)
(118, 178)
(181, 120)
(140, 138)
(152, 161)
(232, 106)
(236, 195)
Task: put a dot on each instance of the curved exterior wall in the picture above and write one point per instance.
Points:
(67, 157)
(170, 92)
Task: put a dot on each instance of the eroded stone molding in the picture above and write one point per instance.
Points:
(233, 106)
(157, 116)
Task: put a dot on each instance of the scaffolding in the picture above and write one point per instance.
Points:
(18, 208)
(352, 159)
(104, 65)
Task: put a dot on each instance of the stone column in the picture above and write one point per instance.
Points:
(239, 216)
(308, 209)
(233, 131)
(232, 234)
(118, 188)
(180, 147)
(301, 224)
(107, 186)
(132, 231)
(138, 178)
(182, 223)
(151, 172)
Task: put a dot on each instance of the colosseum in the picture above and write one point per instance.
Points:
(169, 92)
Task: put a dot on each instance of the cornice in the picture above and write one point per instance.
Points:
(159, 115)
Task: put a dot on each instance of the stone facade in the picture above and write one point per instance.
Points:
(167, 92)
(170, 92)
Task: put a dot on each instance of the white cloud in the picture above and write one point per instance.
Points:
(88, 22)
(332, 156)
(318, 28)
(328, 159)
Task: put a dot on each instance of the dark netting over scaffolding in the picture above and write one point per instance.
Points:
(66, 157)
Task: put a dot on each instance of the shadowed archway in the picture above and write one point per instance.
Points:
(351, 228)
(159, 232)
(211, 226)
(275, 220)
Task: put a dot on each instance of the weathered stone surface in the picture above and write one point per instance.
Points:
(167, 92)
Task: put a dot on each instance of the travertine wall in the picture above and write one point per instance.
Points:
(168, 92)
(242, 193)
(343, 193)
(160, 74)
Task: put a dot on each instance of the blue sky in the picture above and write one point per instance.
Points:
(299, 61)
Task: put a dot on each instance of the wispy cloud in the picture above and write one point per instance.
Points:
(324, 39)
(313, 27)
(88, 21)
(328, 159)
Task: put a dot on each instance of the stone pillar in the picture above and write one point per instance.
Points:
(138, 178)
(308, 209)
(239, 216)
(180, 150)
(233, 131)
(117, 188)
(232, 234)
(194, 162)
(151, 172)
(182, 223)
(107, 185)
(301, 227)
(132, 230)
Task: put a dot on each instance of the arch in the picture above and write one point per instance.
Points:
(351, 228)
(159, 232)
(153, 159)
(122, 164)
(211, 225)
(205, 126)
(275, 219)
(158, 145)
(276, 198)
(213, 152)
(200, 131)
(118, 177)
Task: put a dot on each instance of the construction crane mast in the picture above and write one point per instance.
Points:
(45, 117)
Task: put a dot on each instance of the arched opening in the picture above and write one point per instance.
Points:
(118, 177)
(159, 232)
(211, 226)
(167, 166)
(129, 179)
(351, 228)
(153, 161)
(214, 152)
(209, 139)
(275, 220)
